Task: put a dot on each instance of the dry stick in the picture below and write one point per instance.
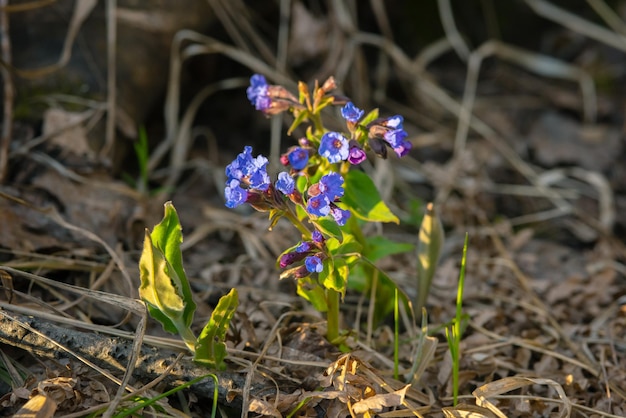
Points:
(9, 91)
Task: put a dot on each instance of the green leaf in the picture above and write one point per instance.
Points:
(363, 198)
(324, 103)
(429, 245)
(164, 287)
(335, 275)
(210, 347)
(167, 237)
(385, 290)
(312, 293)
(157, 290)
(302, 116)
(370, 117)
(328, 227)
(379, 247)
(347, 245)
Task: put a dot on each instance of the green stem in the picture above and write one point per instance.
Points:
(317, 123)
(332, 316)
(293, 218)
(189, 338)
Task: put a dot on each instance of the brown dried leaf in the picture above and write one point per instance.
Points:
(376, 403)
(38, 407)
(264, 408)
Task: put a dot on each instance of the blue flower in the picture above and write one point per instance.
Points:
(396, 139)
(235, 170)
(351, 113)
(259, 179)
(317, 236)
(314, 264)
(285, 183)
(331, 186)
(249, 170)
(341, 216)
(303, 247)
(234, 194)
(298, 158)
(257, 92)
(334, 147)
(318, 205)
(394, 122)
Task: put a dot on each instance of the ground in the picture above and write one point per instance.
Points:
(518, 140)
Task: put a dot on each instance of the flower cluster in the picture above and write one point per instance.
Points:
(323, 196)
(245, 171)
(268, 98)
(310, 251)
(321, 159)
(248, 182)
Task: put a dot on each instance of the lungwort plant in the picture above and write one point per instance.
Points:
(167, 294)
(325, 195)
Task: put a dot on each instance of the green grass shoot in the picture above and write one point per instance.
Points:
(454, 333)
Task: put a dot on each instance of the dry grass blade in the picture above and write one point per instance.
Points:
(9, 91)
(38, 407)
(111, 19)
(82, 10)
(509, 384)
(541, 64)
(183, 139)
(200, 45)
(577, 24)
(467, 411)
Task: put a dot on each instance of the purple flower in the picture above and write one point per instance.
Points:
(234, 194)
(351, 113)
(356, 155)
(341, 216)
(288, 259)
(318, 205)
(313, 264)
(257, 93)
(285, 183)
(331, 186)
(317, 236)
(334, 147)
(298, 158)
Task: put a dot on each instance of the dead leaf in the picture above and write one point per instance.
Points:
(67, 132)
(38, 407)
(376, 403)
(264, 408)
